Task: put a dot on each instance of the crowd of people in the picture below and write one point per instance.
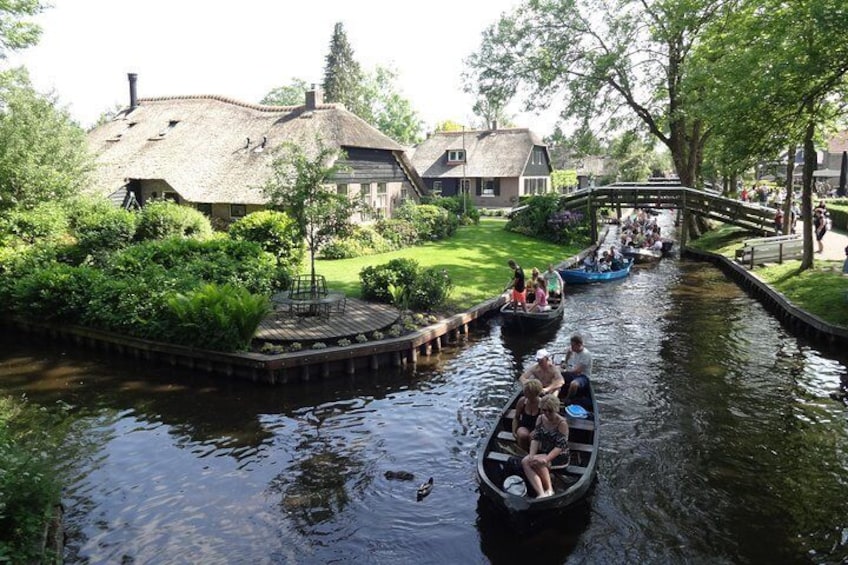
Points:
(606, 260)
(539, 426)
(641, 231)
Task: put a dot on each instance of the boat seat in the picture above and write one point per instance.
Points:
(504, 457)
(576, 423)
(573, 445)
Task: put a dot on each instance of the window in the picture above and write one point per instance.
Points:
(172, 196)
(404, 194)
(238, 210)
(535, 185)
(456, 155)
(341, 189)
(437, 186)
(381, 200)
(465, 186)
(538, 157)
(205, 209)
(489, 188)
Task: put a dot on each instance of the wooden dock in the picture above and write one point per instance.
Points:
(359, 317)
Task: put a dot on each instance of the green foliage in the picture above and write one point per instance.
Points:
(564, 179)
(449, 125)
(375, 280)
(277, 233)
(342, 74)
(162, 219)
(30, 487)
(401, 233)
(543, 219)
(292, 95)
(99, 226)
(43, 153)
(57, 292)
(47, 221)
(220, 318)
(431, 222)
(430, 289)
(387, 110)
(364, 240)
(461, 206)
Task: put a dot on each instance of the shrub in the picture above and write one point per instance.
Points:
(56, 292)
(431, 222)
(360, 338)
(401, 233)
(375, 280)
(277, 233)
(99, 226)
(364, 240)
(223, 318)
(47, 221)
(430, 289)
(461, 206)
(162, 219)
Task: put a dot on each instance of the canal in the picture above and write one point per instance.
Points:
(724, 440)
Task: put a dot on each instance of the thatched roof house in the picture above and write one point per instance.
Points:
(215, 153)
(496, 165)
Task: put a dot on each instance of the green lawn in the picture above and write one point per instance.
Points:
(820, 290)
(475, 259)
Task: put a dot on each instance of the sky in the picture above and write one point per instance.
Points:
(244, 49)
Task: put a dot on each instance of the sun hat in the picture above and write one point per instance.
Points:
(541, 354)
(514, 484)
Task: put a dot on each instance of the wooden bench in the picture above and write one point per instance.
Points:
(573, 445)
(770, 250)
(504, 457)
(575, 423)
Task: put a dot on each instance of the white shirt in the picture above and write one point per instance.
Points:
(574, 359)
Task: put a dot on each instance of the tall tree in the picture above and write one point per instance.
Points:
(342, 74)
(43, 153)
(302, 186)
(17, 31)
(291, 95)
(626, 60)
(387, 110)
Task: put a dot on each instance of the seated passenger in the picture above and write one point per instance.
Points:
(540, 303)
(526, 413)
(548, 447)
(553, 282)
(545, 372)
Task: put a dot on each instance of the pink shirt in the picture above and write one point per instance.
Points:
(541, 297)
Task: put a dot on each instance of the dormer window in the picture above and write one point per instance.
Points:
(456, 156)
(171, 125)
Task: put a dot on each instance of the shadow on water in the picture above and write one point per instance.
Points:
(549, 538)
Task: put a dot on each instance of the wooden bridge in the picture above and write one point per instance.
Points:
(672, 195)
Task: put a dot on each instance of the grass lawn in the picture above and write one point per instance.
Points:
(820, 290)
(475, 259)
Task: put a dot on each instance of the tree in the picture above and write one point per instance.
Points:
(301, 186)
(43, 153)
(622, 60)
(291, 95)
(387, 110)
(16, 31)
(449, 125)
(342, 74)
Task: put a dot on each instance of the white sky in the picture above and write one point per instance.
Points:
(244, 49)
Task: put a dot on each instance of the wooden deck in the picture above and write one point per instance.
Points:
(359, 317)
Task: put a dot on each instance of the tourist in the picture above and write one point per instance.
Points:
(778, 222)
(518, 286)
(540, 302)
(553, 282)
(545, 372)
(548, 447)
(526, 413)
(845, 263)
(820, 225)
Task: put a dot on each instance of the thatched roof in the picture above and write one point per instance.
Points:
(488, 153)
(198, 144)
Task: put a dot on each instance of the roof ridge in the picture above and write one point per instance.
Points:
(499, 130)
(228, 100)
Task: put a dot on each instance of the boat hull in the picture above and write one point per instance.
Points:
(580, 276)
(500, 457)
(642, 255)
(529, 321)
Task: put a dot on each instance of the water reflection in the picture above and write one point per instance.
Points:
(724, 439)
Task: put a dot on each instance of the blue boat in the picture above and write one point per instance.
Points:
(582, 276)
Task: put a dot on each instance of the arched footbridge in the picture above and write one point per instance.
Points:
(671, 195)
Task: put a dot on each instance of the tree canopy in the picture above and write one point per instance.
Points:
(292, 94)
(342, 74)
(43, 153)
(17, 31)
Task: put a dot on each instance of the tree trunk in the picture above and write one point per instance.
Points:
(807, 195)
(787, 202)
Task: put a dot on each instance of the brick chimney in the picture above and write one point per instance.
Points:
(494, 125)
(133, 94)
(314, 98)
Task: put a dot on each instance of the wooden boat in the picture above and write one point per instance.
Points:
(501, 458)
(582, 276)
(642, 255)
(524, 321)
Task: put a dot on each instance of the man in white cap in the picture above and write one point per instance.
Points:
(545, 372)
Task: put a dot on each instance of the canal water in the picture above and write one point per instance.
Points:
(724, 440)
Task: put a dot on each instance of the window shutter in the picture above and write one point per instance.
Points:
(479, 189)
(497, 188)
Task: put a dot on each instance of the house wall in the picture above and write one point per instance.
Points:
(507, 198)
(369, 165)
(542, 169)
(149, 189)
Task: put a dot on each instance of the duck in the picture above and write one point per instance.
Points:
(425, 488)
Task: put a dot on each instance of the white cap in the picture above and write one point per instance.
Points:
(541, 354)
